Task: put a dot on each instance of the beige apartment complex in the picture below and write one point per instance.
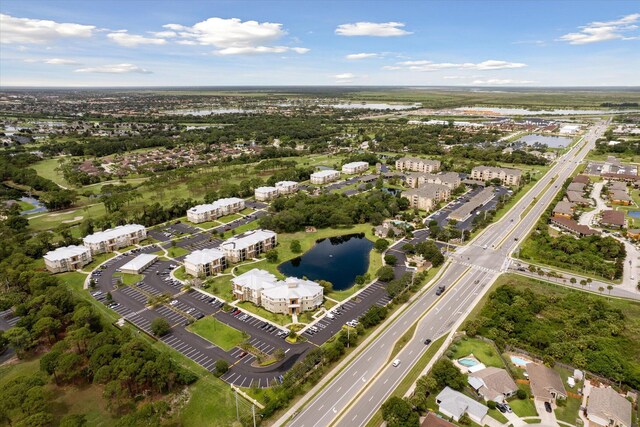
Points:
(211, 211)
(450, 179)
(248, 245)
(115, 238)
(68, 258)
(427, 196)
(507, 176)
(205, 262)
(415, 164)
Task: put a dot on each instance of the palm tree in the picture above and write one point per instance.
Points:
(601, 289)
(609, 287)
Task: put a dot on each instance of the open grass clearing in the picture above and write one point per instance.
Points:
(177, 251)
(218, 333)
(128, 279)
(280, 319)
(483, 351)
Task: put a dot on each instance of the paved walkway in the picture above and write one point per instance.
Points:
(588, 217)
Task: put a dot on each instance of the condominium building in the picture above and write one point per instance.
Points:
(505, 175)
(205, 262)
(115, 238)
(355, 167)
(417, 179)
(264, 194)
(427, 196)
(289, 296)
(248, 245)
(325, 176)
(417, 165)
(211, 211)
(287, 187)
(68, 258)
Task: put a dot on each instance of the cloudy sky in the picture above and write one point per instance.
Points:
(305, 42)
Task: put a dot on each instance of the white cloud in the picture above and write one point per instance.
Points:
(344, 77)
(233, 36)
(595, 32)
(455, 77)
(114, 69)
(164, 34)
(26, 30)
(125, 39)
(424, 65)
(501, 82)
(61, 61)
(373, 29)
(356, 56)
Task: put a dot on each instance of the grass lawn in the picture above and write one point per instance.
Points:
(227, 219)
(26, 367)
(222, 335)
(25, 206)
(177, 251)
(47, 169)
(526, 407)
(497, 415)
(533, 421)
(483, 351)
(247, 211)
(87, 400)
(97, 260)
(280, 319)
(241, 229)
(129, 279)
(50, 220)
(220, 286)
(181, 274)
(75, 282)
(569, 412)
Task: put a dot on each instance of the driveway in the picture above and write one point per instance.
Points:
(546, 418)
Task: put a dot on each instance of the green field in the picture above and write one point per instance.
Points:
(483, 351)
(47, 169)
(222, 335)
(177, 251)
(280, 319)
(129, 279)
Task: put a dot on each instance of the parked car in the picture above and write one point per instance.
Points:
(547, 407)
(500, 407)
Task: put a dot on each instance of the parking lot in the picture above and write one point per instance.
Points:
(597, 168)
(198, 241)
(442, 216)
(172, 231)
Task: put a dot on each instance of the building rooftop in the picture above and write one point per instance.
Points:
(564, 207)
(220, 203)
(285, 183)
(65, 252)
(113, 233)
(204, 256)
(516, 172)
(139, 262)
(476, 201)
(325, 173)
(574, 226)
(418, 160)
(493, 383)
(427, 190)
(606, 404)
(266, 190)
(544, 380)
(247, 239)
(292, 287)
(613, 217)
(256, 279)
(355, 164)
(456, 403)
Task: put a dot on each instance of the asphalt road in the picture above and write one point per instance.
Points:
(359, 390)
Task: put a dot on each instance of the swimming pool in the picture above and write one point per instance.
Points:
(518, 361)
(468, 362)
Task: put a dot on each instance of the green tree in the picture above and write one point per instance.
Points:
(446, 374)
(272, 256)
(385, 274)
(19, 339)
(295, 246)
(397, 412)
(381, 245)
(160, 326)
(390, 259)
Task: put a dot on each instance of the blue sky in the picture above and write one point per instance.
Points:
(201, 43)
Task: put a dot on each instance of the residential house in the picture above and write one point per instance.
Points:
(355, 167)
(454, 404)
(211, 211)
(286, 187)
(617, 185)
(428, 196)
(546, 384)
(577, 198)
(577, 187)
(382, 231)
(248, 245)
(507, 176)
(67, 258)
(618, 197)
(205, 262)
(606, 407)
(564, 210)
(417, 165)
(432, 420)
(115, 238)
(264, 194)
(493, 384)
(249, 286)
(450, 179)
(612, 218)
(324, 176)
(572, 226)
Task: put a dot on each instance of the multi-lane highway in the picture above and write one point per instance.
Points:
(353, 396)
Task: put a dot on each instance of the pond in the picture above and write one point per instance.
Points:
(549, 141)
(527, 112)
(634, 214)
(336, 259)
(372, 106)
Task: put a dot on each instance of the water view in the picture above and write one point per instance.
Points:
(549, 141)
(337, 260)
(527, 112)
(373, 106)
(208, 111)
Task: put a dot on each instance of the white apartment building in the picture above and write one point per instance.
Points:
(211, 211)
(289, 296)
(415, 164)
(427, 196)
(355, 167)
(115, 238)
(287, 187)
(264, 194)
(507, 176)
(325, 176)
(68, 258)
(248, 245)
(450, 179)
(205, 262)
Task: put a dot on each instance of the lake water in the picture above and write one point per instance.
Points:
(39, 207)
(635, 214)
(549, 141)
(527, 112)
(337, 260)
(373, 106)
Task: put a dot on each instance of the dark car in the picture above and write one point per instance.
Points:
(547, 407)
(427, 341)
(440, 290)
(500, 407)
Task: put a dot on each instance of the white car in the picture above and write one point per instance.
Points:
(396, 363)
(174, 302)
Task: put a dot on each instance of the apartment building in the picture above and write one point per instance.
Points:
(115, 238)
(325, 176)
(287, 187)
(68, 258)
(248, 245)
(211, 211)
(427, 196)
(264, 194)
(505, 175)
(415, 164)
(355, 167)
(205, 262)
(450, 179)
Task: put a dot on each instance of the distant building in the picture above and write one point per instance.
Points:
(507, 176)
(633, 233)
(211, 211)
(264, 194)
(417, 165)
(68, 258)
(355, 167)
(115, 238)
(324, 176)
(427, 196)
(287, 187)
(612, 218)
(454, 404)
(248, 245)
(205, 262)
(493, 384)
(572, 226)
(605, 407)
(546, 384)
(450, 179)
